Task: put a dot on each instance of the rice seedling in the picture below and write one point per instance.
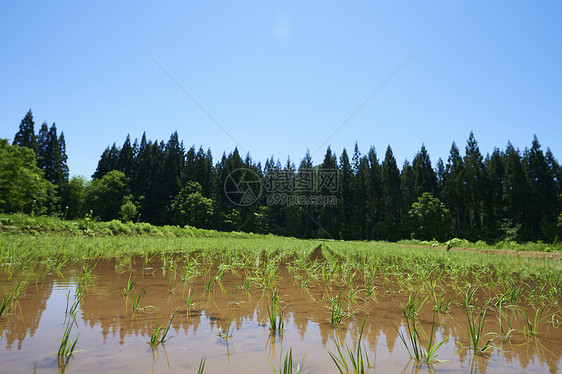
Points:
(510, 295)
(157, 337)
(336, 311)
(73, 310)
(414, 305)
(505, 332)
(189, 303)
(418, 352)
(287, 367)
(84, 279)
(475, 325)
(130, 285)
(228, 332)
(202, 365)
(359, 362)
(276, 323)
(66, 347)
(59, 266)
(531, 326)
(137, 300)
(172, 287)
(10, 297)
(441, 303)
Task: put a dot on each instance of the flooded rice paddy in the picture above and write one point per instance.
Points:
(221, 315)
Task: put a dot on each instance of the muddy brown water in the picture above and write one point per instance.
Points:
(113, 339)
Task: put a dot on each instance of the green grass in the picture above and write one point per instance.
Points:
(359, 362)
(137, 300)
(9, 298)
(159, 331)
(476, 317)
(336, 311)
(417, 351)
(67, 346)
(276, 323)
(505, 244)
(287, 367)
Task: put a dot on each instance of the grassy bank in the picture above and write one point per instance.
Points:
(26, 242)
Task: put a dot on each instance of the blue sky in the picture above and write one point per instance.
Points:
(282, 76)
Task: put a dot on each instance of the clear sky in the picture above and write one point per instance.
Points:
(282, 76)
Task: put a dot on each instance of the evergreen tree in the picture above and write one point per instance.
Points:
(107, 162)
(25, 137)
(374, 194)
(440, 174)
(454, 186)
(391, 185)
(329, 184)
(408, 186)
(345, 197)
(516, 189)
(125, 159)
(496, 174)
(362, 227)
(555, 169)
(42, 146)
(544, 198)
(424, 175)
(305, 177)
(475, 178)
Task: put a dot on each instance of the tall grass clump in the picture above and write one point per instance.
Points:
(413, 306)
(129, 286)
(359, 362)
(157, 337)
(287, 367)
(417, 351)
(67, 346)
(276, 323)
(475, 324)
(9, 298)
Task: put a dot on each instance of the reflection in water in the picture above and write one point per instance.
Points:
(114, 339)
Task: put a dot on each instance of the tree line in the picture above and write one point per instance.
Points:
(505, 195)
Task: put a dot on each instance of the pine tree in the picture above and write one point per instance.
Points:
(408, 186)
(305, 176)
(25, 137)
(424, 175)
(125, 159)
(440, 174)
(107, 162)
(374, 195)
(345, 196)
(516, 188)
(454, 186)
(543, 196)
(42, 146)
(392, 190)
(328, 185)
(496, 174)
(475, 183)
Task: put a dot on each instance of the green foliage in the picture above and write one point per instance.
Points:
(417, 351)
(25, 137)
(106, 195)
(359, 362)
(430, 218)
(75, 198)
(287, 367)
(190, 207)
(22, 186)
(128, 211)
